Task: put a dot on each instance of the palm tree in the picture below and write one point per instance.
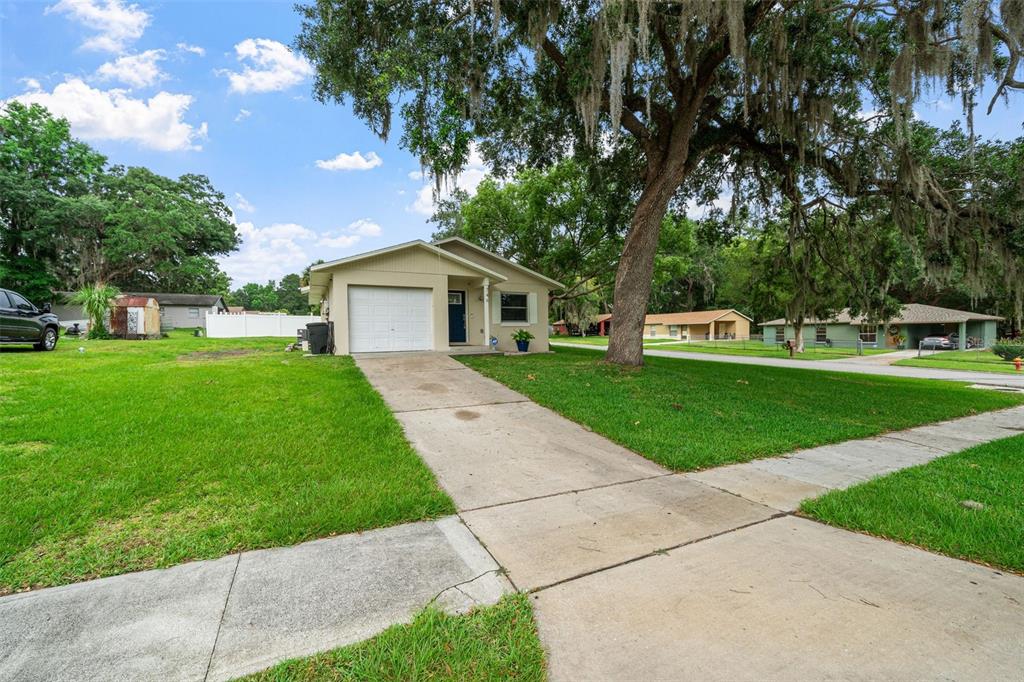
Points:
(95, 301)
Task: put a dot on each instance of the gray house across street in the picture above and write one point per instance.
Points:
(176, 310)
(914, 322)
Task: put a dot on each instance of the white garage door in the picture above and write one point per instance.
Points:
(388, 318)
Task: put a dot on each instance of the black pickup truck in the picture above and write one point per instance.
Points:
(22, 322)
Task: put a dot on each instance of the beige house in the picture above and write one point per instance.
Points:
(439, 296)
(698, 326)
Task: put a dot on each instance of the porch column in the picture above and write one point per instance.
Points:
(961, 340)
(487, 312)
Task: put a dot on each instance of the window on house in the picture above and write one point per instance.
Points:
(673, 330)
(820, 333)
(653, 329)
(193, 313)
(868, 333)
(513, 307)
(780, 334)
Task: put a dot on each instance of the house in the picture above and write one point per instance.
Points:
(430, 296)
(598, 326)
(698, 325)
(176, 310)
(914, 322)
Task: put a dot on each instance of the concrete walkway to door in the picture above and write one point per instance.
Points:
(641, 573)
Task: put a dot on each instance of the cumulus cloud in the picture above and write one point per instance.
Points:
(242, 204)
(468, 180)
(364, 227)
(268, 66)
(242, 115)
(269, 252)
(116, 25)
(194, 49)
(137, 70)
(342, 241)
(31, 84)
(351, 162)
(156, 123)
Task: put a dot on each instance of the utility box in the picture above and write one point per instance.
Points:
(318, 334)
(135, 317)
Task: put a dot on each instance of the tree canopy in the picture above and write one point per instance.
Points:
(68, 220)
(672, 96)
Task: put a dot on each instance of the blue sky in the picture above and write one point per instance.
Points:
(211, 87)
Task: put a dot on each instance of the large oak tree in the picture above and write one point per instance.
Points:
(785, 81)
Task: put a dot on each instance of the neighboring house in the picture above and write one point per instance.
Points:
(914, 322)
(698, 325)
(236, 309)
(420, 296)
(599, 326)
(176, 310)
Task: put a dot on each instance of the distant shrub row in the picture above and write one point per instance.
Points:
(1008, 349)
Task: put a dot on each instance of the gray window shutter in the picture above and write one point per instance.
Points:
(531, 308)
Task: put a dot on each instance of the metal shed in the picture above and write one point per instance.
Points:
(135, 317)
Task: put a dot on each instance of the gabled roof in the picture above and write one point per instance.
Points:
(416, 243)
(694, 317)
(910, 313)
(517, 266)
(201, 300)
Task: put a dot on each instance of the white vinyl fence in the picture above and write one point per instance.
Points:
(226, 326)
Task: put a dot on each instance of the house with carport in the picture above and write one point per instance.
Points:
(698, 325)
(420, 296)
(914, 322)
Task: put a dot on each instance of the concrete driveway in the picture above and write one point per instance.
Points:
(640, 573)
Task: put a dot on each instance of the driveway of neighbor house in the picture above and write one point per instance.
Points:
(216, 620)
(638, 572)
(853, 365)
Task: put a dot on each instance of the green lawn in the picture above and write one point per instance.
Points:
(922, 505)
(762, 350)
(494, 643)
(601, 340)
(143, 454)
(688, 414)
(970, 360)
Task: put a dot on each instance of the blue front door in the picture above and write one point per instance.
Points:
(456, 317)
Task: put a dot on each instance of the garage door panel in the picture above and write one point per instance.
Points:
(389, 319)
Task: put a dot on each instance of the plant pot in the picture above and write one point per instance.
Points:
(523, 346)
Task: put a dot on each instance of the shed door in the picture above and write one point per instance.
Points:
(388, 319)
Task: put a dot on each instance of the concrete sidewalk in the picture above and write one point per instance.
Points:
(220, 619)
(638, 572)
(858, 366)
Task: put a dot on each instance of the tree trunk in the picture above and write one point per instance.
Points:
(634, 275)
(798, 333)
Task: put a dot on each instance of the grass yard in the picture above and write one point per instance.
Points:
(922, 505)
(970, 360)
(762, 350)
(493, 643)
(601, 340)
(143, 454)
(688, 414)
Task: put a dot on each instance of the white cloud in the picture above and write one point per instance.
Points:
(95, 114)
(470, 177)
(242, 115)
(194, 49)
(351, 162)
(364, 227)
(416, 175)
(268, 252)
(343, 241)
(268, 66)
(117, 25)
(243, 204)
(30, 84)
(137, 70)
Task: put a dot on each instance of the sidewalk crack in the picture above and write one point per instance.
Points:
(223, 612)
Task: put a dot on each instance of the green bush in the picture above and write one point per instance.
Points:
(1008, 349)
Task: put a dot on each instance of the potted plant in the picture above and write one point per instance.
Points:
(522, 339)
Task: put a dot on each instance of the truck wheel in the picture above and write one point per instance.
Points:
(49, 341)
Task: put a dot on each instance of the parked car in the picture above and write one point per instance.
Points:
(972, 342)
(937, 343)
(22, 322)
